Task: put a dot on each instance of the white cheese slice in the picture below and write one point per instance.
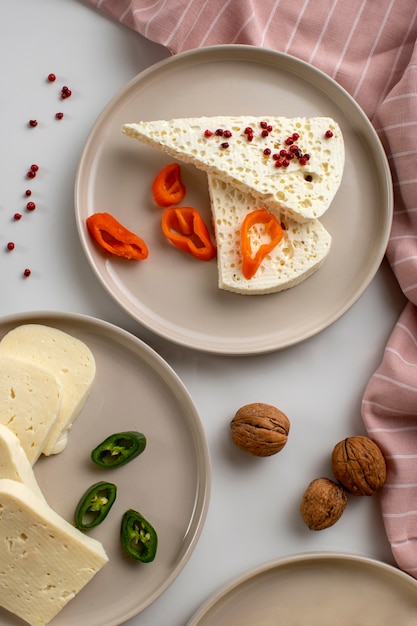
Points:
(71, 361)
(30, 403)
(14, 464)
(301, 190)
(301, 251)
(45, 561)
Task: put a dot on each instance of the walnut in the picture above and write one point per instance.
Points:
(322, 504)
(260, 429)
(359, 465)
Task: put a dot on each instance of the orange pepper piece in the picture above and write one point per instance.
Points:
(115, 238)
(251, 262)
(167, 188)
(185, 229)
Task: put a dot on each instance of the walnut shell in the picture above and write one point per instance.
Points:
(322, 504)
(260, 429)
(359, 465)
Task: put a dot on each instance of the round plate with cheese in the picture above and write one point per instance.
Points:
(133, 389)
(177, 296)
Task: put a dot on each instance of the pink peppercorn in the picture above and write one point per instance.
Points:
(17, 216)
(28, 192)
(60, 115)
(26, 272)
(227, 134)
(328, 134)
(51, 78)
(34, 167)
(33, 123)
(267, 152)
(31, 206)
(207, 133)
(31, 174)
(10, 245)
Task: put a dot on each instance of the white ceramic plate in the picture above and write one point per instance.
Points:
(168, 483)
(315, 590)
(173, 294)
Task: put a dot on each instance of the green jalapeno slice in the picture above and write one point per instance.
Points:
(118, 449)
(138, 537)
(94, 505)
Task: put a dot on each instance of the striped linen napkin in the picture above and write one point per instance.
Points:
(368, 47)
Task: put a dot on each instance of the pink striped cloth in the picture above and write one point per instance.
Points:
(369, 47)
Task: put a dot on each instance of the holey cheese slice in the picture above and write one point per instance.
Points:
(246, 155)
(301, 251)
(30, 403)
(71, 361)
(45, 561)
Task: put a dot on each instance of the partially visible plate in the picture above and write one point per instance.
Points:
(169, 483)
(176, 296)
(315, 590)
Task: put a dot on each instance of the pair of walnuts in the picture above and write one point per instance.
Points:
(359, 468)
(357, 462)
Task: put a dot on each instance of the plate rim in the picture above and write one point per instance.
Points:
(294, 559)
(106, 328)
(265, 343)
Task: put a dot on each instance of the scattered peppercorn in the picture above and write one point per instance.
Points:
(51, 78)
(224, 145)
(31, 174)
(26, 272)
(59, 115)
(34, 167)
(328, 134)
(33, 123)
(28, 192)
(208, 133)
(17, 216)
(10, 245)
(31, 206)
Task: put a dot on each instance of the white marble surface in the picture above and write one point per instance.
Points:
(253, 515)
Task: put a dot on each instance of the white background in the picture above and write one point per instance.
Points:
(254, 511)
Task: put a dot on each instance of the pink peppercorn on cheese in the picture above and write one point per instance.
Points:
(291, 165)
(302, 250)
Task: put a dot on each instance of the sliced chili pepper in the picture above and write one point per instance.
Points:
(167, 188)
(95, 505)
(115, 238)
(251, 262)
(138, 537)
(185, 229)
(119, 449)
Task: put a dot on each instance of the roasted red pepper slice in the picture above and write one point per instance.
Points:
(186, 229)
(115, 238)
(167, 188)
(251, 262)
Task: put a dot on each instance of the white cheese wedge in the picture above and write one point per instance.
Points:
(30, 403)
(303, 189)
(14, 464)
(301, 251)
(45, 561)
(71, 361)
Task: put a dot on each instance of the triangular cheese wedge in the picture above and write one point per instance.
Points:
(302, 250)
(45, 561)
(246, 152)
(68, 358)
(30, 403)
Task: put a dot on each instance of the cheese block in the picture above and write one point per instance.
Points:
(303, 184)
(14, 464)
(301, 251)
(30, 403)
(45, 561)
(71, 361)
